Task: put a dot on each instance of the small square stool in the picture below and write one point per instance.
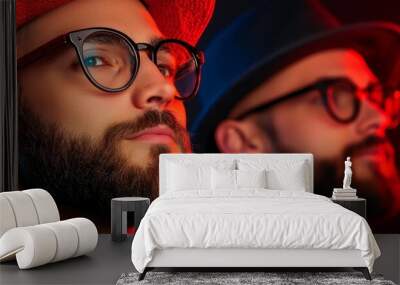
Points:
(119, 209)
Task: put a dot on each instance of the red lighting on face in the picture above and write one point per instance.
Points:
(392, 107)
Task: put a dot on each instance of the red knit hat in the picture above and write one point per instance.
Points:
(182, 19)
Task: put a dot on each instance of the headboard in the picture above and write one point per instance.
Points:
(209, 158)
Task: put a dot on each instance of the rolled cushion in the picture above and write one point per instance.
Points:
(33, 246)
(23, 208)
(7, 218)
(26, 208)
(40, 244)
(87, 234)
(45, 205)
(67, 240)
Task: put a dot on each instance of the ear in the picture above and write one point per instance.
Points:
(233, 136)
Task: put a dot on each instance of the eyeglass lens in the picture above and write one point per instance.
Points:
(342, 100)
(109, 59)
(112, 62)
(179, 66)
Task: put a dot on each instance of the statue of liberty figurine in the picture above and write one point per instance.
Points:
(347, 174)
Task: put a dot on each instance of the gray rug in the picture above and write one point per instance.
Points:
(230, 278)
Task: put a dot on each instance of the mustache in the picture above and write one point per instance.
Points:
(371, 141)
(149, 119)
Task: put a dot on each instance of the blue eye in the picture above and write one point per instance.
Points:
(93, 61)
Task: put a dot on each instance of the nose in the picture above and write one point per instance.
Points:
(151, 89)
(373, 120)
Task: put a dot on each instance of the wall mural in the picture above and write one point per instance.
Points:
(100, 97)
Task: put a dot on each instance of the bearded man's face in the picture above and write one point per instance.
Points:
(80, 172)
(303, 124)
(82, 144)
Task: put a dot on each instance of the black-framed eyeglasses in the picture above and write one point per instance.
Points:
(342, 99)
(110, 59)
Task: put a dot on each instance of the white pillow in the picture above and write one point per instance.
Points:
(223, 179)
(181, 177)
(281, 174)
(251, 178)
(292, 179)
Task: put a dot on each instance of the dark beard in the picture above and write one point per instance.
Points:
(83, 176)
(381, 193)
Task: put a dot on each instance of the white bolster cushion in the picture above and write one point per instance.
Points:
(26, 208)
(23, 208)
(33, 246)
(45, 205)
(40, 244)
(7, 218)
(87, 234)
(67, 240)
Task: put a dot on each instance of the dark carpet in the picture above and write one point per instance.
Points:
(229, 278)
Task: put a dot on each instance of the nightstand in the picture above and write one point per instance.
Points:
(358, 205)
(119, 209)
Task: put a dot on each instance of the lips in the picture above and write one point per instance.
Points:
(159, 133)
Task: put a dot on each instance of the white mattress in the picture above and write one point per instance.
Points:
(250, 219)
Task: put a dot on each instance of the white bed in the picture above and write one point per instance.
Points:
(202, 220)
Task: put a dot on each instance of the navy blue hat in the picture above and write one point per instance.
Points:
(270, 36)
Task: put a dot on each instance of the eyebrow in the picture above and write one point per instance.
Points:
(107, 39)
(156, 40)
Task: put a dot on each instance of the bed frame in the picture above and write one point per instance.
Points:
(248, 259)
